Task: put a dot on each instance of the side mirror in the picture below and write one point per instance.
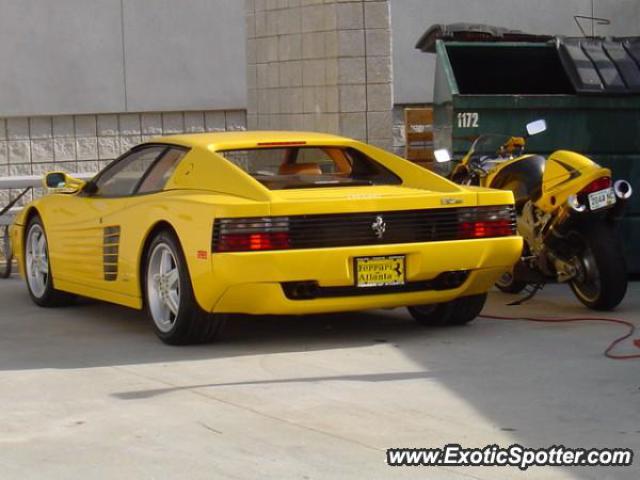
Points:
(62, 182)
(536, 127)
(55, 180)
(442, 155)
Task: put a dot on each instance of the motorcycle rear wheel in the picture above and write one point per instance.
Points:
(601, 282)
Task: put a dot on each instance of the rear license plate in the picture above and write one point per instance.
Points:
(380, 271)
(601, 199)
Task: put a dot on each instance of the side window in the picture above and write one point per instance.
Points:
(159, 175)
(123, 176)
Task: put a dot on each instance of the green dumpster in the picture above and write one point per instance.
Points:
(493, 80)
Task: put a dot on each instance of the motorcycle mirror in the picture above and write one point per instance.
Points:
(442, 155)
(536, 127)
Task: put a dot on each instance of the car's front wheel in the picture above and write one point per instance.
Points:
(456, 312)
(176, 316)
(38, 269)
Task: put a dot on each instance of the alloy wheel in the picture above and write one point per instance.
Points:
(163, 287)
(37, 261)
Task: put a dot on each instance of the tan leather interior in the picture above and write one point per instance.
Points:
(299, 169)
(340, 160)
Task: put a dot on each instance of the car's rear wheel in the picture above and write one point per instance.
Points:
(176, 316)
(456, 312)
(38, 269)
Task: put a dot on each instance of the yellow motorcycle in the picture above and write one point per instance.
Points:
(567, 207)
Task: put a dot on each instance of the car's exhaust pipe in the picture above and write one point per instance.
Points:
(622, 189)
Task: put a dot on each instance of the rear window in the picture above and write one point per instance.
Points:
(311, 167)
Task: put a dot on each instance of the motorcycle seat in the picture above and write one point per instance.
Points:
(523, 178)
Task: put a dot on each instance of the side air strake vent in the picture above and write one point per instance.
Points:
(110, 252)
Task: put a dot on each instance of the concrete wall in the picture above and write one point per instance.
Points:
(104, 56)
(413, 70)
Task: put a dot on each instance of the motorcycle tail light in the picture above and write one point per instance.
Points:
(251, 234)
(486, 223)
(598, 184)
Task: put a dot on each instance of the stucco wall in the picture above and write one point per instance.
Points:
(103, 56)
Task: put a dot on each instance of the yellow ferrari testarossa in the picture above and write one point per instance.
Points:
(194, 228)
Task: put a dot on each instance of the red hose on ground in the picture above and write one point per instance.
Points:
(608, 352)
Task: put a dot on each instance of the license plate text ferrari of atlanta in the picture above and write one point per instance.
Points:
(380, 271)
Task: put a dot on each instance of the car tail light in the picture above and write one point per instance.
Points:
(251, 234)
(597, 185)
(486, 223)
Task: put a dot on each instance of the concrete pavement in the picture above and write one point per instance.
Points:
(88, 392)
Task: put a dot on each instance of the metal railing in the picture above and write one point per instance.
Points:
(25, 182)
(9, 211)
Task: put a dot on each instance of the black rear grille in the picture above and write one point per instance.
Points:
(310, 290)
(357, 229)
(352, 229)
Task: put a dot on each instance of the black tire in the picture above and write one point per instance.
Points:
(49, 297)
(191, 325)
(457, 312)
(6, 255)
(508, 284)
(601, 283)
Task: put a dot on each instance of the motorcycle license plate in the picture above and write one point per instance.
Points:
(601, 199)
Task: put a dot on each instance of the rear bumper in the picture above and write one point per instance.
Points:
(269, 298)
(251, 282)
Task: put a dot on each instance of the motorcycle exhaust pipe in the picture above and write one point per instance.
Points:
(575, 205)
(622, 189)
(623, 192)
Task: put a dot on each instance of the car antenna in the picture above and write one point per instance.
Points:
(594, 21)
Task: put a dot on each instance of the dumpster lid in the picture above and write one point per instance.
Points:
(473, 32)
(604, 66)
(601, 65)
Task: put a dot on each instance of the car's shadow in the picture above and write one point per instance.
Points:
(94, 334)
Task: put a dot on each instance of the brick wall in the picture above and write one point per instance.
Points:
(86, 143)
(321, 65)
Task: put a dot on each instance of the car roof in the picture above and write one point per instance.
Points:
(248, 139)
